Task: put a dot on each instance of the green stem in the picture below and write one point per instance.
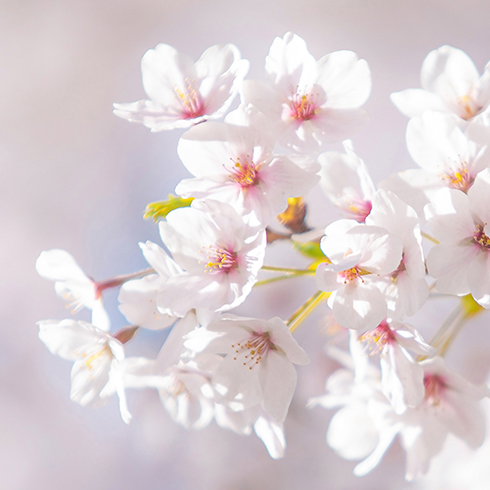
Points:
(288, 270)
(275, 279)
(300, 315)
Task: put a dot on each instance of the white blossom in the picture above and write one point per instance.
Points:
(183, 93)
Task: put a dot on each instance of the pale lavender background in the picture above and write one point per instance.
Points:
(74, 176)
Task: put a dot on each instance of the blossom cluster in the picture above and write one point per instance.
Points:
(250, 174)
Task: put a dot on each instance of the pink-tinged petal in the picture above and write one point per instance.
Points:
(153, 115)
(483, 94)
(449, 217)
(436, 143)
(172, 348)
(358, 307)
(390, 212)
(449, 72)
(479, 197)
(332, 124)
(382, 251)
(405, 295)
(413, 186)
(249, 133)
(402, 379)
(234, 378)
(449, 265)
(219, 187)
(327, 278)
(138, 303)
(185, 233)
(221, 72)
(164, 70)
(410, 339)
(90, 381)
(159, 260)
(479, 278)
(283, 179)
(277, 378)
(422, 443)
(466, 420)
(264, 97)
(281, 337)
(289, 64)
(413, 102)
(272, 435)
(65, 338)
(185, 292)
(345, 79)
(205, 149)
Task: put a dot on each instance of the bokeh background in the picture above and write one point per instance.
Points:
(75, 176)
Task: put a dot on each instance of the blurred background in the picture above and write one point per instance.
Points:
(74, 176)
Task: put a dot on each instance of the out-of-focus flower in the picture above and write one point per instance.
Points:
(450, 84)
(73, 285)
(183, 93)
(99, 368)
(311, 102)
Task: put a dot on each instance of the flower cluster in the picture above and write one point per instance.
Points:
(250, 175)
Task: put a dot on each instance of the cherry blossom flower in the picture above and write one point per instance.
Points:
(450, 84)
(99, 369)
(73, 285)
(358, 253)
(311, 102)
(183, 93)
(234, 163)
(461, 261)
(346, 182)
(258, 361)
(220, 254)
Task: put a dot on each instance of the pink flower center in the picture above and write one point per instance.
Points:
(190, 100)
(303, 107)
(220, 260)
(245, 174)
(255, 347)
(350, 275)
(460, 179)
(481, 238)
(379, 337)
(434, 387)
